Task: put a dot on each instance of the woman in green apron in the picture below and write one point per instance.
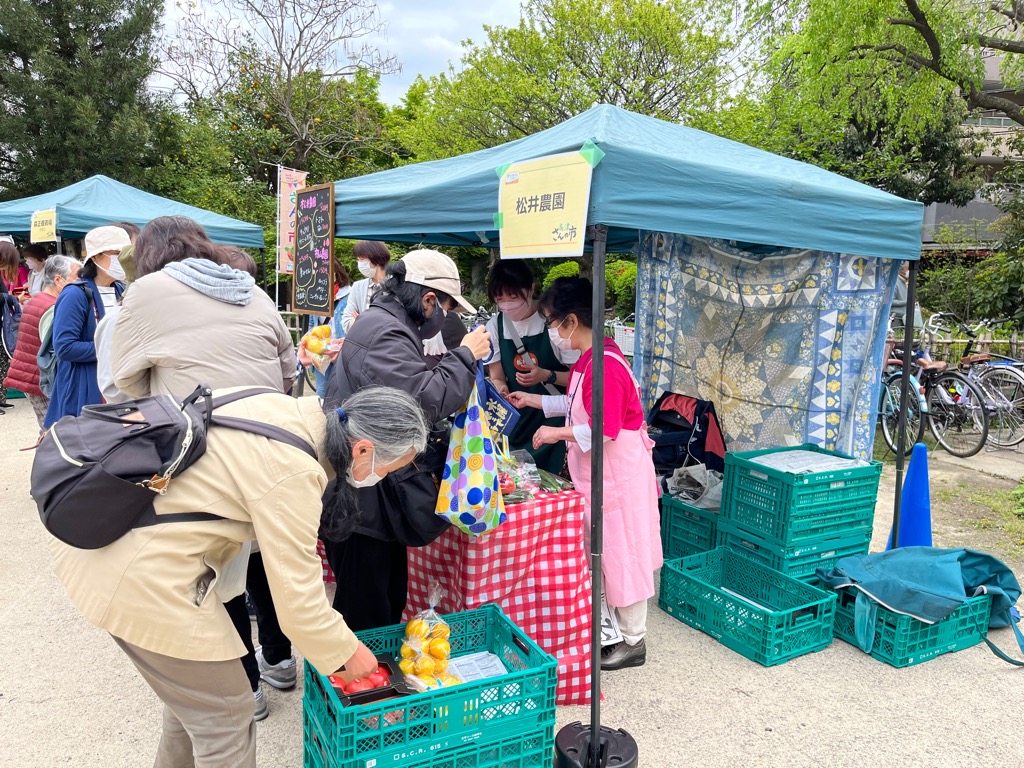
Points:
(523, 359)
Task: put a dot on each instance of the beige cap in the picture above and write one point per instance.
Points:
(103, 239)
(432, 269)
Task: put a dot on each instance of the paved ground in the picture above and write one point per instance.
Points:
(68, 696)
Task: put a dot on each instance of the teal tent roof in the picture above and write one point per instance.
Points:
(99, 200)
(655, 176)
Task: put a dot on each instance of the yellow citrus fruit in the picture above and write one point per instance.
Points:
(322, 331)
(408, 652)
(439, 648)
(417, 628)
(450, 680)
(440, 666)
(424, 665)
(440, 630)
(428, 680)
(315, 345)
(407, 666)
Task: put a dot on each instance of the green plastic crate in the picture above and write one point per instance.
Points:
(533, 749)
(686, 529)
(788, 508)
(410, 727)
(758, 612)
(903, 641)
(800, 561)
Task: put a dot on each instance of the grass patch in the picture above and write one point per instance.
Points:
(1003, 511)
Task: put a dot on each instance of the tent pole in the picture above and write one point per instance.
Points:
(600, 240)
(901, 434)
(263, 266)
(60, 242)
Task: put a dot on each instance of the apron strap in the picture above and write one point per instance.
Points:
(515, 338)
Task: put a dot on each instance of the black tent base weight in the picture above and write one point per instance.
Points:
(617, 749)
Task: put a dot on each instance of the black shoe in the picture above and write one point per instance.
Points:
(622, 656)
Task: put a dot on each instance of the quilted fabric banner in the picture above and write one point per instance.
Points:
(787, 343)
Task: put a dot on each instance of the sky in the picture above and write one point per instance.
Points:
(426, 35)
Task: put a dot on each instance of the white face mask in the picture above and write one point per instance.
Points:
(114, 269)
(33, 265)
(370, 480)
(366, 268)
(557, 341)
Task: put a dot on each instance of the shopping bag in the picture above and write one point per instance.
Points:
(501, 415)
(469, 496)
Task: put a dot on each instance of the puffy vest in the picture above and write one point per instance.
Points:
(24, 372)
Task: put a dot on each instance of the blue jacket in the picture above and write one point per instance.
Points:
(74, 330)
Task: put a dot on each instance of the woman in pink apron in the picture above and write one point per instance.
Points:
(632, 531)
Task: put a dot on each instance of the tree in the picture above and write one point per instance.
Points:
(933, 161)
(665, 58)
(927, 47)
(297, 67)
(72, 83)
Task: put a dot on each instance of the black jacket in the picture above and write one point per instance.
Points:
(384, 348)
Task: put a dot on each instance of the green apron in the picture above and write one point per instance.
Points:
(548, 457)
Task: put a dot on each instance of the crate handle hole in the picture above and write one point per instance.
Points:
(522, 644)
(804, 616)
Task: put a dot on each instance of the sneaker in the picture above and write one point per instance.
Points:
(621, 656)
(260, 702)
(282, 675)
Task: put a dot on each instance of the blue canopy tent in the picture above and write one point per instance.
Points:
(688, 202)
(99, 200)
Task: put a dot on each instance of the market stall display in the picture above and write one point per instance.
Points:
(534, 566)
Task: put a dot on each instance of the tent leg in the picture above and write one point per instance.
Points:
(901, 433)
(600, 240)
(263, 267)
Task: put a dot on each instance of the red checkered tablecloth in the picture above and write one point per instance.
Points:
(535, 567)
(328, 573)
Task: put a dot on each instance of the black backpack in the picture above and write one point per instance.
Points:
(95, 476)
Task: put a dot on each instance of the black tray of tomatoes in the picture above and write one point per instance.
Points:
(387, 682)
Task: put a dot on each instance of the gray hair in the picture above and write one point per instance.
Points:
(389, 418)
(58, 266)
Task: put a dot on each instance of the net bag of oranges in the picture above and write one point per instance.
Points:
(426, 648)
(318, 343)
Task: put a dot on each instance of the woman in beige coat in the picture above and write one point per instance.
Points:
(159, 590)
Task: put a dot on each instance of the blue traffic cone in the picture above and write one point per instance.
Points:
(915, 503)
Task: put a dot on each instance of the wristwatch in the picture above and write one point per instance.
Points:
(552, 378)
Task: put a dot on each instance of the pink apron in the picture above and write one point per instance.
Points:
(632, 524)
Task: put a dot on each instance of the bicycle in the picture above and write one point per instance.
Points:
(952, 405)
(1002, 384)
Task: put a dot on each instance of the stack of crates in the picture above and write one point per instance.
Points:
(498, 722)
(797, 523)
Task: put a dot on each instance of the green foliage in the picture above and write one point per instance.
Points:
(858, 129)
(620, 286)
(72, 82)
(949, 285)
(565, 269)
(657, 57)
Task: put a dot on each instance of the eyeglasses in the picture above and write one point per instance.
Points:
(548, 323)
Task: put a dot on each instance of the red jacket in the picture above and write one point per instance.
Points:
(24, 372)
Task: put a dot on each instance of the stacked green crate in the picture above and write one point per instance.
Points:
(503, 721)
(797, 522)
(685, 529)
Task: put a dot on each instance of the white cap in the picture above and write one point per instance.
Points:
(103, 239)
(432, 269)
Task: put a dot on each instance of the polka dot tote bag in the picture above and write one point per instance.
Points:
(469, 496)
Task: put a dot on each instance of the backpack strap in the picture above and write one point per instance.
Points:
(267, 430)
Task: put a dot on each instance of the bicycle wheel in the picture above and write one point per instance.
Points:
(889, 414)
(957, 415)
(1004, 393)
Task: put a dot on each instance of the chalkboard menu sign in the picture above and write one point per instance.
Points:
(313, 281)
